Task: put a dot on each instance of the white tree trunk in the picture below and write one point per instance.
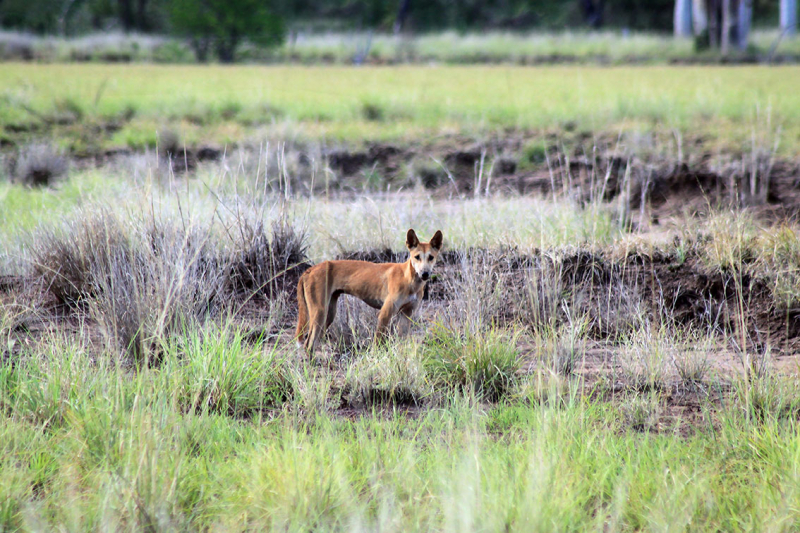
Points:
(743, 21)
(789, 17)
(683, 18)
(699, 18)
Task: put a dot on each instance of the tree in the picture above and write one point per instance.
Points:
(224, 24)
(789, 16)
(593, 12)
(728, 22)
(683, 18)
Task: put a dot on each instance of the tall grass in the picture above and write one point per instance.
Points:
(131, 458)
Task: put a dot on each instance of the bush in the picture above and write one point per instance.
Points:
(265, 264)
(221, 374)
(486, 364)
(39, 165)
(66, 259)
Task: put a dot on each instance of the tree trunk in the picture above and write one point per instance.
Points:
(201, 45)
(402, 14)
(699, 17)
(593, 12)
(725, 37)
(743, 22)
(64, 18)
(226, 49)
(126, 14)
(682, 23)
(789, 17)
(713, 23)
(141, 15)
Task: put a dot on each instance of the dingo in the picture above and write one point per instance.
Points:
(390, 287)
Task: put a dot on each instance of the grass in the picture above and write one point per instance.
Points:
(556, 378)
(447, 430)
(724, 103)
(96, 446)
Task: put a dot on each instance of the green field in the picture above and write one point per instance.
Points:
(610, 342)
(231, 104)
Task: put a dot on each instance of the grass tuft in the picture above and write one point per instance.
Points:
(66, 258)
(218, 372)
(40, 165)
(486, 364)
(393, 374)
(264, 263)
(641, 412)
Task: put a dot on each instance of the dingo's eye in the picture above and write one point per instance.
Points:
(416, 257)
(430, 258)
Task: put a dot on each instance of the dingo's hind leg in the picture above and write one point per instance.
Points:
(317, 329)
(332, 309)
(317, 297)
(302, 313)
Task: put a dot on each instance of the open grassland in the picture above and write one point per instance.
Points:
(92, 107)
(610, 340)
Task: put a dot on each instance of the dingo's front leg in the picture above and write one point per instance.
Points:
(384, 318)
(405, 318)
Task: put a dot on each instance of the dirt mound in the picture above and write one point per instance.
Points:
(613, 295)
(667, 189)
(386, 156)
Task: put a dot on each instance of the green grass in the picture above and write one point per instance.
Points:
(721, 102)
(89, 445)
(227, 431)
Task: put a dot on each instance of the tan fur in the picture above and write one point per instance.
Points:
(391, 287)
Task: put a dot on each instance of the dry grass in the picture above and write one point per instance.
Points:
(40, 165)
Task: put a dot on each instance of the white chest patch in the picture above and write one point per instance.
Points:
(411, 299)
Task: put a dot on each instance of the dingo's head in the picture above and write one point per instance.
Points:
(423, 254)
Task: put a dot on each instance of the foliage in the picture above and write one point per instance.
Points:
(223, 24)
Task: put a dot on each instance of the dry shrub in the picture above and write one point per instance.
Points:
(144, 280)
(147, 294)
(478, 290)
(539, 303)
(40, 165)
(66, 258)
(141, 281)
(267, 264)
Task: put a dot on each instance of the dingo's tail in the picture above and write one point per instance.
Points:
(302, 312)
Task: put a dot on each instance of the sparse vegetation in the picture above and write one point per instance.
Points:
(608, 342)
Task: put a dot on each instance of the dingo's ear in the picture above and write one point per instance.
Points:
(411, 239)
(436, 240)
